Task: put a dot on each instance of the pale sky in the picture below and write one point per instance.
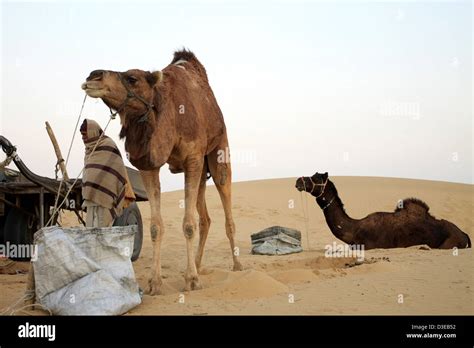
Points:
(351, 88)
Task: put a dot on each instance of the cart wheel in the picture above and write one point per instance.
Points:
(18, 230)
(132, 216)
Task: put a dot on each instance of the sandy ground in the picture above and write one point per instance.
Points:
(308, 283)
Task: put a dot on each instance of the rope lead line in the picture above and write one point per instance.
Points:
(69, 152)
(305, 217)
(307, 221)
(57, 208)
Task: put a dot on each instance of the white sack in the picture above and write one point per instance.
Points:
(85, 271)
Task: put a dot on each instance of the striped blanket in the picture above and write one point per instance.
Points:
(105, 178)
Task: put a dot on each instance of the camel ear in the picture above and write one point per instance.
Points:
(325, 175)
(155, 78)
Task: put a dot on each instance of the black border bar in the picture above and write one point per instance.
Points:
(222, 330)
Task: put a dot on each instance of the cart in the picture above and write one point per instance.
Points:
(27, 202)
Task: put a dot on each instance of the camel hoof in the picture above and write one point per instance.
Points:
(237, 267)
(196, 285)
(192, 283)
(154, 287)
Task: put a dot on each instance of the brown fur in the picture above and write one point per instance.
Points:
(413, 204)
(184, 128)
(139, 137)
(410, 224)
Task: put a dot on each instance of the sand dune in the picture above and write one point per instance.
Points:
(428, 281)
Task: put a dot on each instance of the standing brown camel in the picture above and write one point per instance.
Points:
(172, 116)
(410, 224)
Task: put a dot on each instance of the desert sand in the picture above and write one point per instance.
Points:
(307, 283)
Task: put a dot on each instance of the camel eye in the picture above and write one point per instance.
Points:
(132, 80)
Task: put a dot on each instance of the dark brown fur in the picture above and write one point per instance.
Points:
(410, 224)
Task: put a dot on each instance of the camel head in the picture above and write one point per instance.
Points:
(312, 184)
(130, 93)
(134, 95)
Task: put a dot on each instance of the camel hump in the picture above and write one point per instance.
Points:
(186, 56)
(413, 204)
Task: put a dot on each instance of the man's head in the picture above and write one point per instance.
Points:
(90, 130)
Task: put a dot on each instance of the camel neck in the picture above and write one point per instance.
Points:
(340, 224)
(149, 143)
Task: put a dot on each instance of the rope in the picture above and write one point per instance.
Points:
(10, 308)
(6, 162)
(56, 209)
(305, 217)
(68, 154)
(7, 263)
(75, 129)
(28, 295)
(22, 309)
(307, 221)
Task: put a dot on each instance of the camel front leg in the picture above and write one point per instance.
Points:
(192, 176)
(151, 181)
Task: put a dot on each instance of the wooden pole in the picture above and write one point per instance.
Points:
(30, 291)
(57, 150)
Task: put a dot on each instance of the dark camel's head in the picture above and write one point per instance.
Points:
(130, 92)
(312, 184)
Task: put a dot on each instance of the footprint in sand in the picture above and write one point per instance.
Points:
(250, 284)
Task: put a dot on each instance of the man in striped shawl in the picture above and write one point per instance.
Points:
(105, 179)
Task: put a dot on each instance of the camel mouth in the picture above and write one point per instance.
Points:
(299, 187)
(94, 89)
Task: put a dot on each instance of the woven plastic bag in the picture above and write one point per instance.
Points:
(276, 240)
(85, 271)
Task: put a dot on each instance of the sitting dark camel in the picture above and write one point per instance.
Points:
(410, 224)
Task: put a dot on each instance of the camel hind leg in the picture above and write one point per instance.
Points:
(220, 169)
(204, 219)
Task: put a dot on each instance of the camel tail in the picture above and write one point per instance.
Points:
(469, 245)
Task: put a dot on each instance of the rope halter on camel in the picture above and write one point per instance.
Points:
(314, 185)
(306, 213)
(131, 95)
